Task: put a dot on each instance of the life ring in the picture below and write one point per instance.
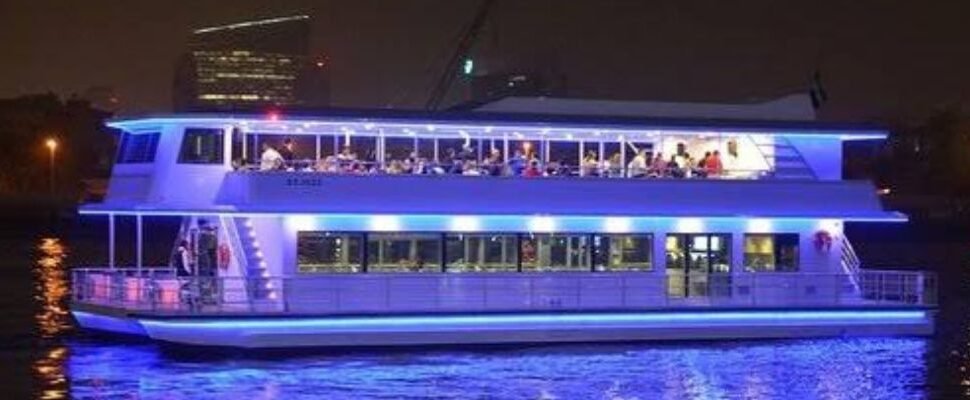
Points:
(823, 241)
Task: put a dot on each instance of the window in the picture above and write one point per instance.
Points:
(771, 253)
(138, 148)
(481, 253)
(404, 252)
(327, 252)
(201, 146)
(698, 253)
(556, 252)
(623, 252)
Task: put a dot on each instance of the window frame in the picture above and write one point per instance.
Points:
(150, 153)
(218, 159)
(605, 267)
(361, 253)
(775, 253)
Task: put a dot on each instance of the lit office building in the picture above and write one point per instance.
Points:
(250, 65)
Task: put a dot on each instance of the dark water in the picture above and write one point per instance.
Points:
(43, 356)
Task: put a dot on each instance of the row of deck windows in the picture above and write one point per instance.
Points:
(341, 252)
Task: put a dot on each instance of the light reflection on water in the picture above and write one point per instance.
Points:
(890, 368)
(51, 288)
(52, 318)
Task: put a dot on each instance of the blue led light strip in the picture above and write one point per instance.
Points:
(465, 321)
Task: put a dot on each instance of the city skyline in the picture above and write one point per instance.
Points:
(879, 60)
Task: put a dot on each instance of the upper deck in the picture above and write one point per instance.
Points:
(410, 162)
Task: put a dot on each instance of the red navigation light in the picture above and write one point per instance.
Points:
(273, 115)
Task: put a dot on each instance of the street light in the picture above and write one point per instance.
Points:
(52, 146)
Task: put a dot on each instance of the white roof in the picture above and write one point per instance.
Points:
(794, 107)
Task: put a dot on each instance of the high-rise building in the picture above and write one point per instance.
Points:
(251, 64)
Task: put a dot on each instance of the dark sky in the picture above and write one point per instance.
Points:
(882, 60)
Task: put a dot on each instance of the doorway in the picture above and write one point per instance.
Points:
(698, 265)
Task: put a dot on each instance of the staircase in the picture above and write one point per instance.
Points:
(784, 160)
(850, 264)
(246, 250)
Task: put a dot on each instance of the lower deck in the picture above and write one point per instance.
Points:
(395, 309)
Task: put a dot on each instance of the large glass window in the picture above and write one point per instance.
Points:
(404, 252)
(771, 253)
(699, 253)
(138, 148)
(481, 253)
(556, 252)
(201, 146)
(327, 252)
(623, 252)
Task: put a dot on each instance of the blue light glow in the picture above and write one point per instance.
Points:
(544, 320)
(397, 126)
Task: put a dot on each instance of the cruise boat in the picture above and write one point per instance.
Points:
(384, 228)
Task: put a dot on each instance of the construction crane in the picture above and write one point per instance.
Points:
(459, 56)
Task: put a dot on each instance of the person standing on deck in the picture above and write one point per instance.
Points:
(637, 168)
(270, 159)
(208, 253)
(287, 153)
(182, 259)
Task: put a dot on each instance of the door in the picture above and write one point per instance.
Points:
(698, 265)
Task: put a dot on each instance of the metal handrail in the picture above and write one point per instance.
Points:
(391, 293)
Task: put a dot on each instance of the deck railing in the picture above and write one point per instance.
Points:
(160, 291)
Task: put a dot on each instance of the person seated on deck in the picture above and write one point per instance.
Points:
(637, 168)
(613, 167)
(270, 159)
(590, 164)
(328, 165)
(395, 168)
(346, 156)
(701, 170)
(533, 169)
(457, 167)
(713, 165)
(674, 169)
(471, 169)
(658, 167)
(493, 164)
(421, 167)
(517, 163)
(688, 166)
(410, 162)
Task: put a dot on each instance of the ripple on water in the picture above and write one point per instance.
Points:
(890, 368)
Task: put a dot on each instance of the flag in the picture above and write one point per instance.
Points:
(817, 91)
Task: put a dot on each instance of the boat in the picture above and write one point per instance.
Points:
(396, 228)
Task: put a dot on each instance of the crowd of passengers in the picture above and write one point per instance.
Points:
(522, 163)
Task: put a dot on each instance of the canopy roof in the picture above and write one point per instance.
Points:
(492, 125)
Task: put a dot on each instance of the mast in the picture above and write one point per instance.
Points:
(465, 43)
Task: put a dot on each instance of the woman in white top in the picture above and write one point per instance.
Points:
(637, 168)
(270, 159)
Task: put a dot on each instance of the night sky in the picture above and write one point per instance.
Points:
(880, 60)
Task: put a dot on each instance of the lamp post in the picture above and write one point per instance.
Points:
(52, 146)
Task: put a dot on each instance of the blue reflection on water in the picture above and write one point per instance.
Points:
(864, 368)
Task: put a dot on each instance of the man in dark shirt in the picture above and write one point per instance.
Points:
(287, 152)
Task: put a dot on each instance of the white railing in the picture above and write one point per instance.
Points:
(850, 262)
(435, 293)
